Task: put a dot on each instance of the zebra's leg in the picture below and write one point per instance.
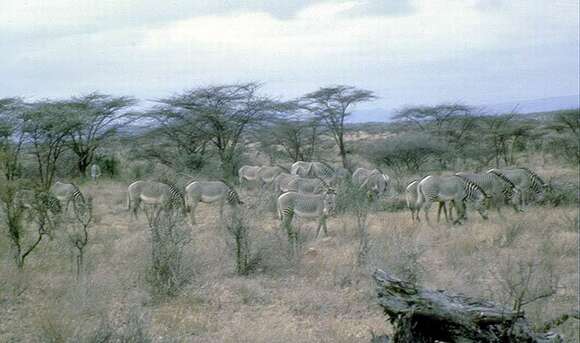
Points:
(451, 207)
(426, 207)
(441, 206)
(461, 212)
(221, 209)
(135, 207)
(192, 208)
(321, 225)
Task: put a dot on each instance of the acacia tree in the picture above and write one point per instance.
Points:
(296, 132)
(333, 105)
(566, 138)
(46, 128)
(452, 123)
(11, 136)
(93, 118)
(179, 144)
(221, 114)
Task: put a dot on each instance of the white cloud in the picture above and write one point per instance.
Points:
(442, 50)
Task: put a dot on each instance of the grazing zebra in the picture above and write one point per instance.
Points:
(301, 168)
(306, 185)
(267, 175)
(282, 182)
(450, 188)
(411, 198)
(210, 192)
(307, 206)
(248, 174)
(528, 182)
(372, 180)
(28, 199)
(498, 187)
(67, 194)
(154, 194)
(320, 170)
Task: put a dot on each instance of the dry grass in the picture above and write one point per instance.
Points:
(322, 298)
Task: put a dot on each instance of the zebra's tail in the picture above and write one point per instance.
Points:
(128, 201)
(420, 197)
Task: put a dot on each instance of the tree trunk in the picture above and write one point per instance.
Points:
(423, 315)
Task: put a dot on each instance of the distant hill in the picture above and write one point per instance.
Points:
(523, 107)
(538, 105)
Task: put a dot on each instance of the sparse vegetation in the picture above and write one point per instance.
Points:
(249, 277)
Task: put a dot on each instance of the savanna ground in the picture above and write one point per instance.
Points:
(323, 297)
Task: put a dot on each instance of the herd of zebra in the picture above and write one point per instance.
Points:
(308, 190)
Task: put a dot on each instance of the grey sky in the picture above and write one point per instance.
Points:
(408, 52)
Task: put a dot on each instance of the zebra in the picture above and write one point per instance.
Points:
(209, 192)
(306, 185)
(411, 199)
(320, 170)
(307, 206)
(372, 180)
(301, 168)
(282, 182)
(497, 186)
(95, 172)
(450, 188)
(154, 193)
(67, 194)
(28, 200)
(267, 175)
(526, 181)
(248, 174)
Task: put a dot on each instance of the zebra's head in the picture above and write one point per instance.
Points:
(538, 186)
(480, 198)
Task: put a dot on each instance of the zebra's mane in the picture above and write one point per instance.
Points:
(410, 182)
(78, 190)
(172, 186)
(473, 184)
(283, 168)
(230, 188)
(534, 176)
(503, 177)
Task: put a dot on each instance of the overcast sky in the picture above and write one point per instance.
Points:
(407, 51)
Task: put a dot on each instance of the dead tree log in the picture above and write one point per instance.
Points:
(421, 315)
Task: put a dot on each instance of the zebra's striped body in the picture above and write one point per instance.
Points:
(528, 182)
(305, 185)
(318, 170)
(318, 206)
(248, 174)
(499, 188)
(411, 199)
(372, 180)
(282, 182)
(267, 175)
(450, 189)
(153, 193)
(28, 199)
(210, 192)
(68, 194)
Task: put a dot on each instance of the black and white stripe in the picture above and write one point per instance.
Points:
(472, 190)
(509, 186)
(536, 183)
